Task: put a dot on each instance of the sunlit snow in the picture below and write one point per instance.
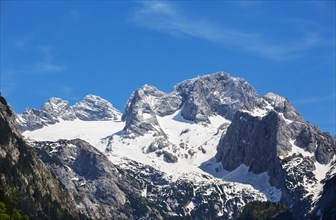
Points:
(200, 138)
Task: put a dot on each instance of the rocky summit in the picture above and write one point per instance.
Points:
(203, 151)
(91, 108)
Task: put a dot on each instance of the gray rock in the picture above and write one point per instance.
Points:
(282, 105)
(215, 93)
(299, 176)
(100, 189)
(326, 208)
(92, 108)
(198, 99)
(139, 117)
(262, 144)
(312, 139)
(59, 108)
(142, 108)
(39, 193)
(224, 202)
(253, 141)
(169, 157)
(31, 120)
(87, 174)
(159, 144)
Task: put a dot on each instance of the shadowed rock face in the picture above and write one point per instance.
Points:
(41, 195)
(327, 203)
(102, 190)
(88, 175)
(253, 141)
(264, 145)
(313, 140)
(266, 134)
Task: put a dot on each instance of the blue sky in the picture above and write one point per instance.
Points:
(69, 49)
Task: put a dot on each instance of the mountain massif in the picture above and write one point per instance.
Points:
(202, 151)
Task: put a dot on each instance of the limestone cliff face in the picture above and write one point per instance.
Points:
(290, 151)
(41, 195)
(254, 141)
(197, 99)
(217, 93)
(103, 190)
(140, 115)
(266, 134)
(98, 187)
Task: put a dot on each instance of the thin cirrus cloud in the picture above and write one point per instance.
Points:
(314, 100)
(163, 17)
(46, 65)
(10, 77)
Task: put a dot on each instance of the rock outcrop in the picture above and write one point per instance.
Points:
(294, 154)
(39, 194)
(197, 99)
(253, 141)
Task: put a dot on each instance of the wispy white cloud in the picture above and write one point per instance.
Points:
(10, 78)
(314, 100)
(164, 17)
(24, 39)
(46, 65)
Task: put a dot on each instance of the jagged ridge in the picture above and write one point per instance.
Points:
(91, 108)
(265, 134)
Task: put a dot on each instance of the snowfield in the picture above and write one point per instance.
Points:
(266, 140)
(185, 137)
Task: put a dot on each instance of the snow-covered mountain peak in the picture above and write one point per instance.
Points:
(282, 105)
(197, 99)
(54, 104)
(149, 88)
(54, 110)
(149, 94)
(216, 76)
(217, 93)
(93, 108)
(56, 100)
(275, 99)
(93, 99)
(58, 109)
(212, 126)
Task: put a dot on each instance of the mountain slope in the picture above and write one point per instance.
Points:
(103, 190)
(94, 183)
(39, 194)
(215, 128)
(276, 146)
